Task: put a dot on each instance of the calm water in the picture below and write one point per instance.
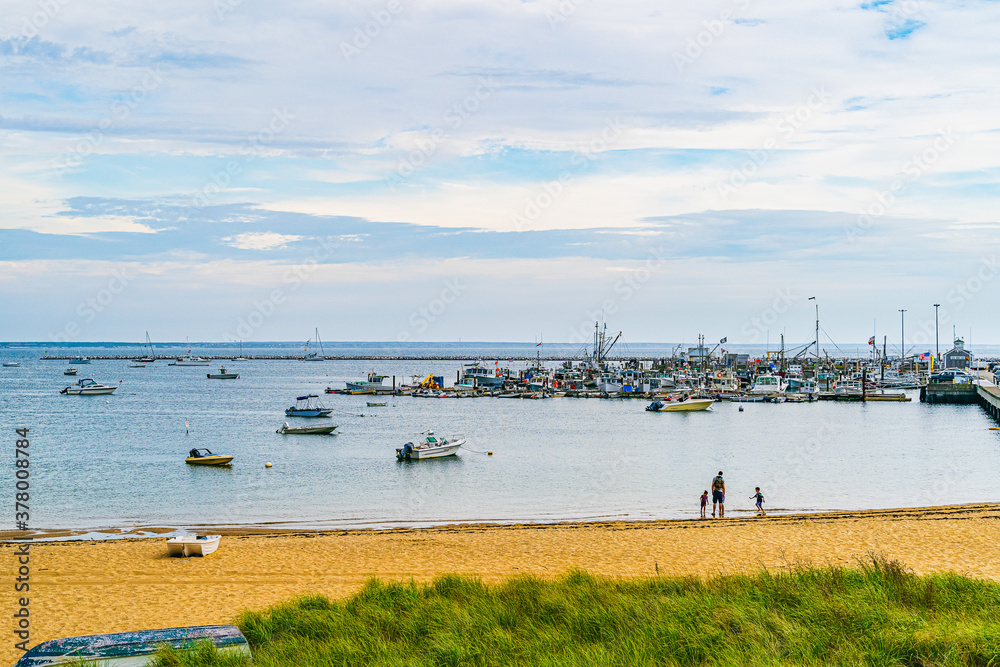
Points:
(118, 461)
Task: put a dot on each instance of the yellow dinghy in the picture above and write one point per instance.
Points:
(204, 457)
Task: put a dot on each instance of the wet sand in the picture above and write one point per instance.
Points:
(83, 587)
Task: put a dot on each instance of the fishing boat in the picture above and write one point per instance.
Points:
(312, 356)
(431, 448)
(308, 406)
(320, 429)
(79, 360)
(373, 383)
(131, 649)
(189, 360)
(686, 405)
(193, 545)
(88, 387)
(476, 376)
(70, 371)
(204, 457)
(768, 384)
(11, 364)
(223, 375)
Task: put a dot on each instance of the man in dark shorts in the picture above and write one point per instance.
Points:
(719, 495)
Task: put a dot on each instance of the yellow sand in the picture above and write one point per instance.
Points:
(117, 585)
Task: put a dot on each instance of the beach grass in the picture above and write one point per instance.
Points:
(877, 613)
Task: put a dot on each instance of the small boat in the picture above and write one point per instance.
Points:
(11, 364)
(687, 405)
(747, 399)
(188, 360)
(223, 375)
(376, 405)
(321, 429)
(69, 371)
(193, 545)
(204, 457)
(137, 364)
(372, 384)
(308, 406)
(88, 387)
(79, 360)
(431, 448)
(131, 649)
(312, 356)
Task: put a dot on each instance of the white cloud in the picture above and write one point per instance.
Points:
(260, 240)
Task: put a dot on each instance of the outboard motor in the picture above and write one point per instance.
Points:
(655, 406)
(405, 452)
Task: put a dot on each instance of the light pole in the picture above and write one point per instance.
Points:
(902, 336)
(812, 298)
(937, 346)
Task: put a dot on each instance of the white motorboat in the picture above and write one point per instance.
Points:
(223, 375)
(79, 360)
(11, 364)
(69, 371)
(374, 383)
(193, 545)
(88, 387)
(308, 406)
(433, 447)
(188, 360)
(321, 429)
(768, 384)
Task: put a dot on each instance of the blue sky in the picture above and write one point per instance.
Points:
(677, 168)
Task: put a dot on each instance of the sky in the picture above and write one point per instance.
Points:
(498, 170)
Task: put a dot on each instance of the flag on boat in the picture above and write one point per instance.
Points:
(723, 341)
(538, 344)
(871, 341)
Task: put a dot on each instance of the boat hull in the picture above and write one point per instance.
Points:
(421, 453)
(213, 460)
(132, 649)
(190, 545)
(292, 412)
(307, 430)
(76, 391)
(223, 376)
(691, 405)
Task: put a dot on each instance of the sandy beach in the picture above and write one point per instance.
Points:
(81, 587)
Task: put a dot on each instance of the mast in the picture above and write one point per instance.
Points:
(319, 340)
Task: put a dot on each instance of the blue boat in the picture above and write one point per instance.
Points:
(308, 406)
(129, 649)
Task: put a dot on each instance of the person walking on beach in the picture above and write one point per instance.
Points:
(719, 495)
(704, 503)
(760, 502)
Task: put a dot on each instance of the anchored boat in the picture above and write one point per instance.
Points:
(204, 457)
(308, 406)
(223, 375)
(687, 405)
(321, 429)
(431, 448)
(88, 387)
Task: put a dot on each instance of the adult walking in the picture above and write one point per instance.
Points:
(719, 495)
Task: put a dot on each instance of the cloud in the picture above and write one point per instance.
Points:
(260, 240)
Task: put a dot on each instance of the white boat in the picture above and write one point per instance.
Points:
(188, 360)
(321, 429)
(79, 360)
(88, 387)
(137, 364)
(373, 383)
(69, 371)
(193, 545)
(11, 364)
(223, 375)
(308, 406)
(312, 356)
(768, 384)
(480, 377)
(433, 447)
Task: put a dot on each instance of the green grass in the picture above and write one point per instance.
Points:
(877, 614)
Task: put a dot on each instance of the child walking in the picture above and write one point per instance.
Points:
(760, 502)
(704, 503)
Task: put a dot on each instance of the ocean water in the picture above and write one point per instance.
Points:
(118, 461)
